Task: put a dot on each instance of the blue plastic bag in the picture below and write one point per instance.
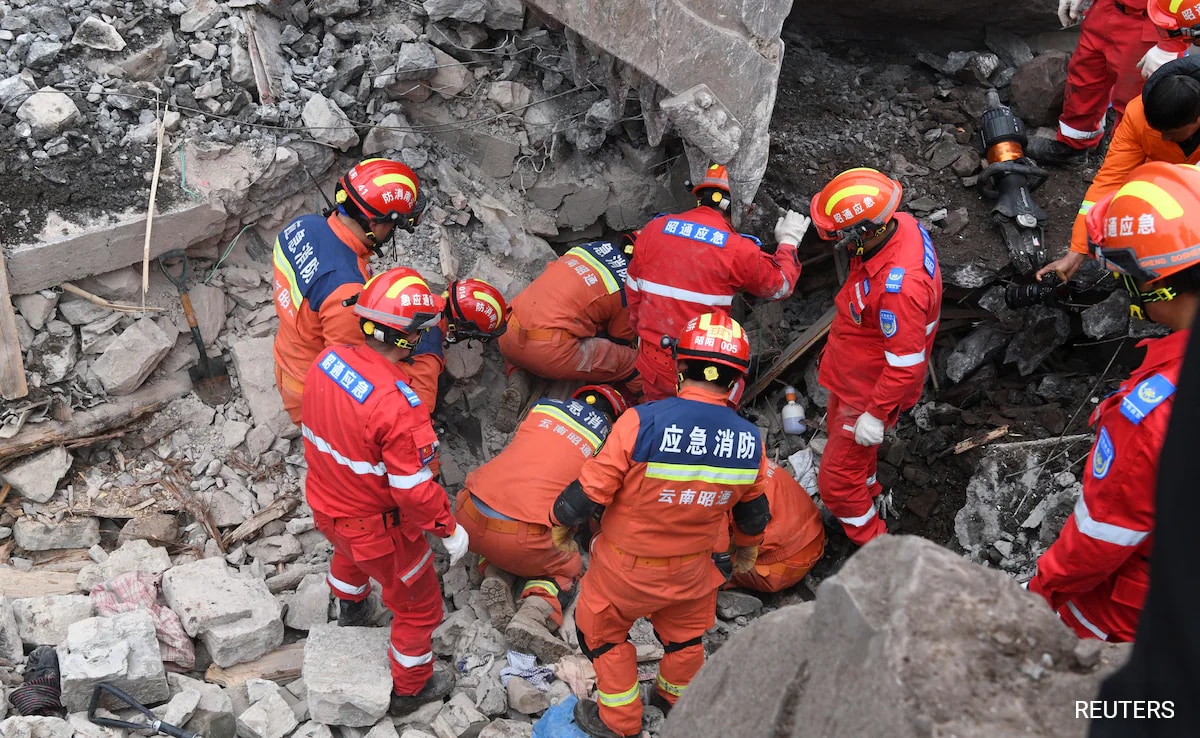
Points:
(559, 722)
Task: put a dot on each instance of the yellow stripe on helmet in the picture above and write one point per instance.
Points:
(387, 179)
(832, 203)
(402, 283)
(485, 297)
(1156, 197)
(1174, 6)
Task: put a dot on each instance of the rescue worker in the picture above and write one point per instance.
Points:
(1163, 124)
(1098, 571)
(1117, 43)
(503, 507)
(792, 543)
(572, 322)
(875, 359)
(368, 440)
(669, 475)
(694, 262)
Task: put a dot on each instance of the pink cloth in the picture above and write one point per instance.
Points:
(137, 590)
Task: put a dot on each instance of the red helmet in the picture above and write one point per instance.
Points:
(855, 202)
(1175, 17)
(715, 177)
(600, 396)
(396, 304)
(714, 338)
(475, 309)
(383, 191)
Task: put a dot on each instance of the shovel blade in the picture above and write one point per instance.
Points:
(212, 386)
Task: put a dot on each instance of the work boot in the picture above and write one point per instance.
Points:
(497, 598)
(511, 402)
(1052, 152)
(587, 718)
(351, 613)
(657, 700)
(529, 632)
(438, 686)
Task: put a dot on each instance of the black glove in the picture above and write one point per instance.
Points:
(724, 564)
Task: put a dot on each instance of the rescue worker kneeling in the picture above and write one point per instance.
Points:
(669, 475)
(368, 441)
(501, 500)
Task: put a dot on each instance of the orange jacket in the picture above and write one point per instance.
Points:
(795, 519)
(672, 470)
(318, 263)
(1133, 143)
(546, 454)
(581, 293)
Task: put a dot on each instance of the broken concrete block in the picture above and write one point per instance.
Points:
(255, 364)
(48, 112)
(270, 717)
(212, 697)
(36, 727)
(37, 309)
(509, 95)
(309, 606)
(732, 604)
(122, 649)
(507, 729)
(383, 729)
(14, 90)
(234, 432)
(526, 698)
(276, 549)
(180, 708)
(96, 34)
(471, 11)
(34, 534)
(347, 674)
(235, 616)
(43, 621)
(392, 134)
(313, 729)
(202, 16)
(36, 477)
(984, 344)
(136, 555)
(126, 363)
(11, 648)
(451, 77)
(56, 349)
(700, 117)
(155, 527)
(1110, 317)
(327, 123)
(459, 717)
(413, 61)
(504, 15)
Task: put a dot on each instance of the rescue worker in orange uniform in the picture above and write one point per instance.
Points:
(670, 475)
(1098, 571)
(368, 441)
(875, 359)
(1163, 124)
(792, 543)
(572, 322)
(694, 262)
(503, 507)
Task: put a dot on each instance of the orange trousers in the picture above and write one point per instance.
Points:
(780, 575)
(404, 569)
(679, 596)
(290, 390)
(593, 360)
(847, 475)
(523, 549)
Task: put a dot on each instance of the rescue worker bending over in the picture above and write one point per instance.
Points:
(792, 543)
(572, 322)
(887, 316)
(1163, 124)
(670, 475)
(503, 507)
(368, 441)
(695, 262)
(321, 261)
(1098, 571)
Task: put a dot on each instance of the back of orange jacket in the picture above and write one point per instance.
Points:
(582, 293)
(795, 519)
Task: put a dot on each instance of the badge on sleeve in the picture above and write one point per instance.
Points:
(895, 278)
(427, 453)
(854, 314)
(888, 323)
(409, 393)
(1102, 456)
(867, 286)
(1145, 397)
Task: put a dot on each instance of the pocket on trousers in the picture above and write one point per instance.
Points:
(1130, 590)
(367, 545)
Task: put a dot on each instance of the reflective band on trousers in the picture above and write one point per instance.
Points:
(672, 689)
(929, 327)
(621, 698)
(861, 520)
(409, 662)
(872, 479)
(1086, 623)
(904, 359)
(677, 293)
(545, 584)
(345, 587)
(417, 569)
(1106, 532)
(358, 467)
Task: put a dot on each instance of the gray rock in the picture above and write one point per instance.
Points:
(504, 15)
(526, 698)
(130, 359)
(259, 440)
(11, 648)
(1037, 89)
(14, 91)
(155, 527)
(471, 11)
(235, 616)
(1009, 46)
(42, 53)
(308, 607)
(36, 727)
(180, 708)
(392, 134)
(45, 620)
(208, 302)
(33, 534)
(96, 34)
(136, 555)
(1110, 317)
(509, 95)
(48, 113)
(347, 674)
(459, 717)
(202, 16)
(38, 308)
(56, 351)
(982, 345)
(732, 604)
(270, 717)
(313, 729)
(122, 649)
(413, 61)
(334, 8)
(276, 549)
(36, 477)
(234, 432)
(327, 123)
(1045, 329)
(255, 365)
(507, 729)
(383, 729)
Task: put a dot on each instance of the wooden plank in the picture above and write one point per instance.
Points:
(15, 584)
(798, 348)
(281, 665)
(12, 368)
(276, 510)
(980, 439)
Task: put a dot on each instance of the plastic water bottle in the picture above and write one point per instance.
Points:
(793, 413)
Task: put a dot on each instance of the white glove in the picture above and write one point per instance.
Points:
(791, 227)
(868, 430)
(1153, 59)
(456, 544)
(1068, 12)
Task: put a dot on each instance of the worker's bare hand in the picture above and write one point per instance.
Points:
(1064, 267)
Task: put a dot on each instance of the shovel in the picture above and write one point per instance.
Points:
(153, 724)
(210, 377)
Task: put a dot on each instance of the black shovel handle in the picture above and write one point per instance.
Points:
(158, 726)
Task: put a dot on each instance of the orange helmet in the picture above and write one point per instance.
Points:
(1150, 228)
(1175, 17)
(714, 338)
(715, 177)
(603, 397)
(474, 309)
(855, 202)
(396, 304)
(382, 190)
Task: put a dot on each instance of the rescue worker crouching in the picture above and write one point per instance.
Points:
(875, 360)
(694, 262)
(1096, 574)
(321, 261)
(670, 474)
(503, 507)
(368, 442)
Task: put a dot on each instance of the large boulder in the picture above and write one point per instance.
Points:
(907, 640)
